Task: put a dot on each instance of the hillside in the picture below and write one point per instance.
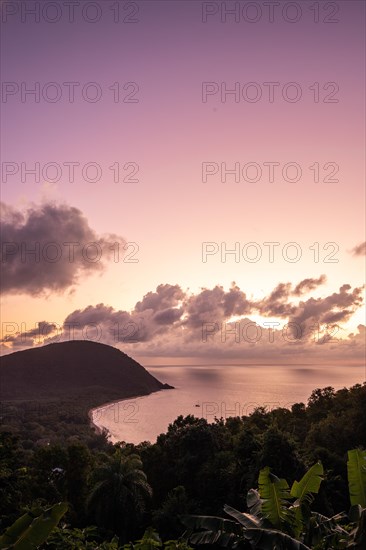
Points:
(81, 369)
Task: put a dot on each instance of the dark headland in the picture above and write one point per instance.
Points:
(77, 368)
(76, 375)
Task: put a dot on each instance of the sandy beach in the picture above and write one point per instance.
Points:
(102, 429)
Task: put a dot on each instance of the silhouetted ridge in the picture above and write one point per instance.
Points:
(77, 368)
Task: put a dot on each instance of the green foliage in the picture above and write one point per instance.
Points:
(356, 468)
(119, 494)
(310, 483)
(151, 540)
(43, 423)
(14, 477)
(246, 530)
(166, 518)
(279, 450)
(210, 530)
(176, 545)
(49, 454)
(78, 469)
(358, 533)
(275, 523)
(325, 532)
(33, 528)
(303, 491)
(88, 538)
(275, 493)
(272, 503)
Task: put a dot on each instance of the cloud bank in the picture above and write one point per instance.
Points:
(216, 323)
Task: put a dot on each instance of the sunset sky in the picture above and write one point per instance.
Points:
(172, 131)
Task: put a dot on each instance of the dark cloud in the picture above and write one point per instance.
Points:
(359, 250)
(276, 304)
(335, 317)
(309, 284)
(166, 296)
(168, 316)
(49, 247)
(114, 326)
(339, 306)
(235, 302)
(215, 305)
(93, 315)
(160, 314)
(148, 318)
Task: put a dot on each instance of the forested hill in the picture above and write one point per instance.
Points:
(69, 369)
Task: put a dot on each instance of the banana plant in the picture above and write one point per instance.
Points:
(211, 530)
(358, 533)
(275, 493)
(32, 529)
(303, 491)
(356, 469)
(274, 520)
(259, 532)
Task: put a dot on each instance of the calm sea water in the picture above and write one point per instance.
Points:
(221, 391)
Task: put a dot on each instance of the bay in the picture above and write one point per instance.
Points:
(217, 391)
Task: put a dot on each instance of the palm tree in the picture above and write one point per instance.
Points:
(118, 498)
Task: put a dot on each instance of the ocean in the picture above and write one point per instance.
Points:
(217, 391)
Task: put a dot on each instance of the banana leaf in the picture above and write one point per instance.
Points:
(356, 468)
(275, 493)
(32, 529)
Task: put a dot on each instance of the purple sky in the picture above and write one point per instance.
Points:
(174, 131)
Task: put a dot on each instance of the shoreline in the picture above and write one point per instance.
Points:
(97, 429)
(101, 430)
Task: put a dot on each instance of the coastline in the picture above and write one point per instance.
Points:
(101, 430)
(98, 430)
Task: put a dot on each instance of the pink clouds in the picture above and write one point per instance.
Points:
(171, 321)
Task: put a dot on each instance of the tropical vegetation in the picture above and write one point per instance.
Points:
(274, 479)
